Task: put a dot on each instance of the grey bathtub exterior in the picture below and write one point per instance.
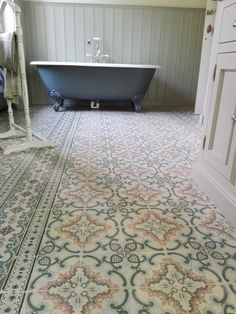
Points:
(95, 81)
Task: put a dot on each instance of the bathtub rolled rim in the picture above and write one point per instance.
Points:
(90, 64)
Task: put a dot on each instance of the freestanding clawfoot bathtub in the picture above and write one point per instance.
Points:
(95, 81)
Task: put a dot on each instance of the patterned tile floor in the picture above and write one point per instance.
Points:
(110, 221)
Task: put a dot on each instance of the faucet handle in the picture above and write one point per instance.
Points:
(91, 39)
(96, 38)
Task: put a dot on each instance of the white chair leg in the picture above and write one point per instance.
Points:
(10, 115)
(21, 56)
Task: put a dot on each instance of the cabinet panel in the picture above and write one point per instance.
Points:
(220, 148)
(228, 29)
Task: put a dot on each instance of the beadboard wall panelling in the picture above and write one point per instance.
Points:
(170, 37)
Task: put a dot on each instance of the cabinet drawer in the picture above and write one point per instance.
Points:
(228, 28)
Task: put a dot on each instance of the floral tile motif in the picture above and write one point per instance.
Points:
(110, 221)
(81, 173)
(142, 193)
(188, 190)
(177, 286)
(156, 230)
(142, 302)
(78, 232)
(78, 287)
(177, 171)
(82, 230)
(86, 194)
(215, 222)
(84, 301)
(155, 227)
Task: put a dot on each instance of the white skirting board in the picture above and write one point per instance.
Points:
(224, 201)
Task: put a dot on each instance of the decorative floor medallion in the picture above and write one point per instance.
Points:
(82, 230)
(156, 227)
(79, 289)
(178, 286)
(82, 194)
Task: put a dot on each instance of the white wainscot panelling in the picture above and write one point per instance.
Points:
(170, 37)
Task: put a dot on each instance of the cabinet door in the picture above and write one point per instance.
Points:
(220, 146)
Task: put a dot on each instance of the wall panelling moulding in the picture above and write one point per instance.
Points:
(160, 3)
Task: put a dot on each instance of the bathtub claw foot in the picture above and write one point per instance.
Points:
(56, 107)
(57, 97)
(137, 106)
(136, 103)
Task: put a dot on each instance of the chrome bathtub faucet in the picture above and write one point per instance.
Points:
(96, 56)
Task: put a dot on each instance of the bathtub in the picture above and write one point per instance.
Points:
(95, 81)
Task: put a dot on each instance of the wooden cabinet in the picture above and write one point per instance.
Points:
(215, 169)
(221, 129)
